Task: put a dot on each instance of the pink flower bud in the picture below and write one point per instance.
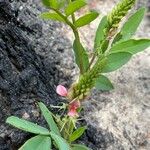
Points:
(61, 90)
(76, 104)
(73, 113)
(73, 109)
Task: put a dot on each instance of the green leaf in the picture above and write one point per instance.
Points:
(60, 142)
(62, 3)
(79, 147)
(52, 16)
(84, 20)
(130, 27)
(49, 119)
(51, 3)
(81, 56)
(116, 60)
(27, 125)
(103, 83)
(100, 34)
(74, 6)
(132, 46)
(77, 134)
(37, 143)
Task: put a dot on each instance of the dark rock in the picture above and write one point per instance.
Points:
(33, 60)
(25, 76)
(29, 72)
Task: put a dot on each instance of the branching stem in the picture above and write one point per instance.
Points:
(76, 34)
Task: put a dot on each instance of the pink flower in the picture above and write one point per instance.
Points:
(73, 108)
(73, 113)
(61, 90)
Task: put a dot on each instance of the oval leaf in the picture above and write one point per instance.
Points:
(27, 125)
(37, 143)
(62, 3)
(52, 16)
(132, 46)
(77, 134)
(79, 147)
(81, 57)
(51, 3)
(49, 119)
(86, 19)
(130, 26)
(74, 6)
(100, 32)
(116, 60)
(60, 142)
(103, 83)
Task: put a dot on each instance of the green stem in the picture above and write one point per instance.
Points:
(92, 60)
(72, 16)
(77, 51)
(76, 34)
(77, 37)
(65, 18)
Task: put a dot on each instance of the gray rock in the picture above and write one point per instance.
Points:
(29, 66)
(36, 55)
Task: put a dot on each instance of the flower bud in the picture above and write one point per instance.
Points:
(61, 90)
(73, 108)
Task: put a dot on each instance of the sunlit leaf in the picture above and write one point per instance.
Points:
(26, 125)
(84, 20)
(62, 3)
(103, 83)
(132, 46)
(79, 147)
(52, 16)
(38, 142)
(130, 26)
(116, 61)
(51, 3)
(48, 117)
(60, 142)
(81, 56)
(77, 134)
(100, 32)
(74, 6)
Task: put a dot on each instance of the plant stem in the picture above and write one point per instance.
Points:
(65, 18)
(78, 50)
(92, 60)
(72, 16)
(76, 34)
(77, 37)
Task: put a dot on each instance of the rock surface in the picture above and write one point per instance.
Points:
(29, 66)
(125, 111)
(35, 56)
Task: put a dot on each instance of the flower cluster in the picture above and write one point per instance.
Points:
(73, 106)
